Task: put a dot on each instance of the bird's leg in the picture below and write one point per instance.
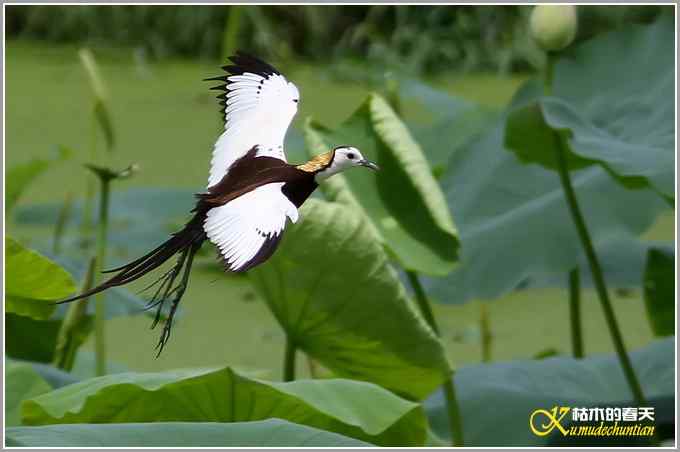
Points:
(178, 292)
(166, 288)
(167, 324)
(163, 276)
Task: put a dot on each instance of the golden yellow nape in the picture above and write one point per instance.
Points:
(317, 162)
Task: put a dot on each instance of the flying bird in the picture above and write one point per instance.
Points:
(252, 192)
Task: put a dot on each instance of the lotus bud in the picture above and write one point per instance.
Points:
(553, 27)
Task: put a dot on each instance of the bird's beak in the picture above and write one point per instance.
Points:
(369, 164)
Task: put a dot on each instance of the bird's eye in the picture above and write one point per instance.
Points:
(296, 100)
(350, 156)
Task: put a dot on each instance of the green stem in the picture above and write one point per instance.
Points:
(70, 335)
(422, 300)
(99, 314)
(596, 271)
(86, 223)
(549, 72)
(586, 242)
(575, 313)
(485, 329)
(289, 360)
(455, 419)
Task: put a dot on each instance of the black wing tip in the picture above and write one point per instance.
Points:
(242, 62)
(245, 62)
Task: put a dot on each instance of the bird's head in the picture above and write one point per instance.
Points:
(340, 159)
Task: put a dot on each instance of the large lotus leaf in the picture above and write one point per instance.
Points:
(332, 289)
(659, 282)
(55, 377)
(497, 399)
(33, 282)
(83, 368)
(21, 382)
(445, 123)
(356, 409)
(403, 200)
(513, 218)
(622, 259)
(267, 433)
(533, 140)
(612, 95)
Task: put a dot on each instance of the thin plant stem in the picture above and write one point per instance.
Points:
(100, 310)
(76, 319)
(485, 329)
(422, 300)
(86, 224)
(455, 423)
(289, 360)
(587, 243)
(455, 420)
(596, 271)
(575, 313)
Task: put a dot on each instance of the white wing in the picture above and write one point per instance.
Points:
(259, 105)
(247, 235)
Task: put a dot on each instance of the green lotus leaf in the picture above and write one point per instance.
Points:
(331, 287)
(267, 433)
(21, 382)
(33, 282)
(514, 221)
(403, 200)
(357, 409)
(497, 399)
(611, 97)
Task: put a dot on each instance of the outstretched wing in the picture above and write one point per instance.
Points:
(258, 105)
(247, 235)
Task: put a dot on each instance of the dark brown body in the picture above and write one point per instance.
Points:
(250, 172)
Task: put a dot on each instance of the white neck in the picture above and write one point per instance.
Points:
(328, 172)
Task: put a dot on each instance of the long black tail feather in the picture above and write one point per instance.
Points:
(184, 244)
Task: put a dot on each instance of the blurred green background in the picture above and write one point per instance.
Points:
(153, 59)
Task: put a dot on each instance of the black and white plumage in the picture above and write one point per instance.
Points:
(240, 231)
(252, 193)
(259, 106)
